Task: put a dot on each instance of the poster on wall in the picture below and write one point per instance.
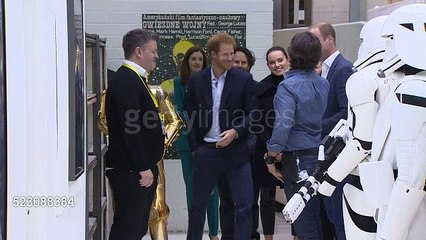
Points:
(179, 32)
(77, 96)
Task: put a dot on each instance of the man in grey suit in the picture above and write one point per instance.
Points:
(336, 69)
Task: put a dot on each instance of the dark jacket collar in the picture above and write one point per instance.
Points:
(207, 86)
(270, 81)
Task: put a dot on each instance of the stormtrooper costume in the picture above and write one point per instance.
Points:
(366, 93)
(399, 138)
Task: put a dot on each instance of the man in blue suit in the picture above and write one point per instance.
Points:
(220, 104)
(336, 69)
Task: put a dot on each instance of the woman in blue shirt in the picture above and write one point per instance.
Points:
(299, 105)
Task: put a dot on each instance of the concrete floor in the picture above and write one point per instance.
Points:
(282, 231)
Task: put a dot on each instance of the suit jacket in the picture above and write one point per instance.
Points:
(236, 109)
(337, 103)
(136, 140)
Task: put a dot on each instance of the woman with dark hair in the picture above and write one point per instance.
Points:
(264, 183)
(193, 61)
(299, 104)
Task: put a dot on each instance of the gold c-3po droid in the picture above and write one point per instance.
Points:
(173, 123)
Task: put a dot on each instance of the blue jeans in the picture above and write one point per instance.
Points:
(308, 224)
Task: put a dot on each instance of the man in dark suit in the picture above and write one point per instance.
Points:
(219, 104)
(336, 69)
(136, 137)
(244, 60)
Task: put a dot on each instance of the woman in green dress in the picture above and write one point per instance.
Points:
(194, 61)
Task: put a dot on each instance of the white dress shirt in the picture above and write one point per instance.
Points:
(141, 70)
(217, 86)
(326, 64)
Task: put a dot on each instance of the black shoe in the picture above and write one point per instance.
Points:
(255, 236)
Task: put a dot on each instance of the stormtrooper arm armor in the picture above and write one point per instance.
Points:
(348, 159)
(361, 88)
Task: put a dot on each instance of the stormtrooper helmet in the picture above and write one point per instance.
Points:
(372, 48)
(406, 30)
